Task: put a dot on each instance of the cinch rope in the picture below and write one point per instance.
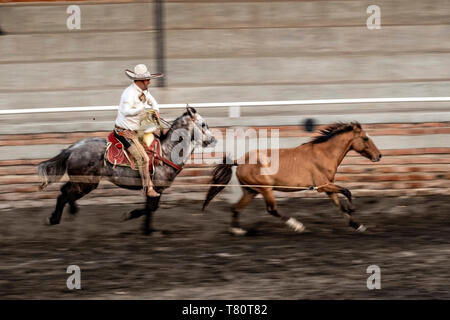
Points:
(241, 185)
(91, 179)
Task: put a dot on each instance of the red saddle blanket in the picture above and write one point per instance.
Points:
(116, 154)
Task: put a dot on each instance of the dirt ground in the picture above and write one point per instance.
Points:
(196, 258)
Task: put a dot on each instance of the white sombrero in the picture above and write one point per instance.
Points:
(141, 73)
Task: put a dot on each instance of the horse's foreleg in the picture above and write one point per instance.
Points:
(273, 210)
(334, 188)
(346, 211)
(148, 229)
(152, 205)
(136, 213)
(238, 207)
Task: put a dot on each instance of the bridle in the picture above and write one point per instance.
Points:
(161, 158)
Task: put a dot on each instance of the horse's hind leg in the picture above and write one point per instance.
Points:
(70, 192)
(236, 209)
(273, 210)
(60, 203)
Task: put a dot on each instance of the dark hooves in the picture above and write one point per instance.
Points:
(73, 210)
(50, 222)
(155, 232)
(125, 216)
(132, 215)
(148, 232)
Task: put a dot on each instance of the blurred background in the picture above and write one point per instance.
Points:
(230, 51)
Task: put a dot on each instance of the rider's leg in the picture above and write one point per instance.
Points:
(138, 152)
(150, 191)
(133, 150)
(142, 164)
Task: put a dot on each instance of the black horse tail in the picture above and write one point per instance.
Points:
(221, 176)
(53, 169)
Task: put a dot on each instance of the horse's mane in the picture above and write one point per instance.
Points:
(333, 130)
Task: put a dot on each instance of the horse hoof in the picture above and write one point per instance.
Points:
(295, 225)
(73, 210)
(125, 217)
(48, 222)
(154, 232)
(361, 228)
(238, 231)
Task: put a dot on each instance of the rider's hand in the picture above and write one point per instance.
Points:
(156, 114)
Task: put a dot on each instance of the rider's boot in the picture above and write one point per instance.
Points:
(151, 192)
(147, 181)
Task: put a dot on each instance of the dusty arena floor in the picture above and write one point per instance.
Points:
(196, 258)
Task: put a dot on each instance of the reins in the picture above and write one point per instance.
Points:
(168, 124)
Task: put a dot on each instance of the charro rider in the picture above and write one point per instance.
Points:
(133, 102)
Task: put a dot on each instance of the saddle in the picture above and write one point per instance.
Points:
(117, 155)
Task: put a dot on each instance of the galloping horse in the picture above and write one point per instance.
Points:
(85, 159)
(312, 165)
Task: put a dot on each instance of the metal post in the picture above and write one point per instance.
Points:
(160, 45)
(234, 111)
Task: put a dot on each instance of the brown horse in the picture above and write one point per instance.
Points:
(312, 166)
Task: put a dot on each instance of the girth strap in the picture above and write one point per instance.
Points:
(166, 161)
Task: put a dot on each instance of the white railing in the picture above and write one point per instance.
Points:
(234, 107)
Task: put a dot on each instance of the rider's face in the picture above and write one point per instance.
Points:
(143, 84)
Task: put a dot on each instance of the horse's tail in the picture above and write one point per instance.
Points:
(53, 169)
(221, 176)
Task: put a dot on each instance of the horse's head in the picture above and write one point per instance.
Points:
(202, 135)
(191, 129)
(364, 145)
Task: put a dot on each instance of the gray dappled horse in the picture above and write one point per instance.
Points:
(85, 165)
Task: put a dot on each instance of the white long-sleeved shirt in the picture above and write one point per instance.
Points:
(131, 109)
